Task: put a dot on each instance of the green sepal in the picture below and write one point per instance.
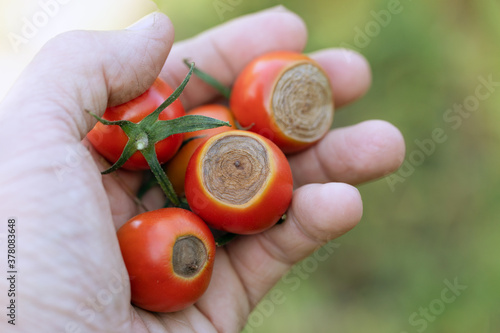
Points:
(127, 153)
(153, 117)
(190, 123)
(109, 122)
(210, 80)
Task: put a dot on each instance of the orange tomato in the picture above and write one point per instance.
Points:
(239, 182)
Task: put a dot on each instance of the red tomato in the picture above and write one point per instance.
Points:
(239, 181)
(286, 97)
(169, 255)
(176, 167)
(109, 141)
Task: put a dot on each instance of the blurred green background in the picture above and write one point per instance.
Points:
(440, 220)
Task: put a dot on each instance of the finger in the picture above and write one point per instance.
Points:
(225, 50)
(318, 214)
(90, 70)
(348, 71)
(121, 188)
(353, 155)
(53, 181)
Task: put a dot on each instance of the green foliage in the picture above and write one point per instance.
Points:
(442, 222)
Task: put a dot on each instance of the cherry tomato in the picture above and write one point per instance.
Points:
(109, 141)
(286, 97)
(176, 167)
(239, 181)
(169, 255)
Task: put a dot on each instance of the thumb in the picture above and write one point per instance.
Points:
(82, 70)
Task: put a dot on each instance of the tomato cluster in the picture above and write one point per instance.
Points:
(234, 180)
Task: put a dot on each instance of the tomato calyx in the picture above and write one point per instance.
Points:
(144, 135)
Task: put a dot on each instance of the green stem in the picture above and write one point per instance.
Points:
(165, 184)
(207, 78)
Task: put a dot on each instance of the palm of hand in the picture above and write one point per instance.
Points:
(72, 276)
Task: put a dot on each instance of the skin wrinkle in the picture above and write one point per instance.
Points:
(35, 138)
(281, 257)
(202, 313)
(138, 324)
(112, 69)
(254, 275)
(223, 57)
(173, 319)
(241, 304)
(345, 164)
(45, 117)
(49, 265)
(68, 124)
(112, 74)
(315, 240)
(272, 255)
(152, 322)
(197, 318)
(233, 260)
(323, 169)
(112, 183)
(92, 97)
(108, 76)
(118, 216)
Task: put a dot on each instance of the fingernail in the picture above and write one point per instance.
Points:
(144, 23)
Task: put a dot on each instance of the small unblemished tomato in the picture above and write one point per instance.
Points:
(239, 182)
(286, 97)
(109, 140)
(169, 255)
(176, 167)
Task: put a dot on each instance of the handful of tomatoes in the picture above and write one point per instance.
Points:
(216, 176)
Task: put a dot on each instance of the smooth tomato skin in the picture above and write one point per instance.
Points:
(176, 167)
(257, 215)
(109, 141)
(251, 96)
(146, 243)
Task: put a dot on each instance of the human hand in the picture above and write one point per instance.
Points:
(71, 274)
